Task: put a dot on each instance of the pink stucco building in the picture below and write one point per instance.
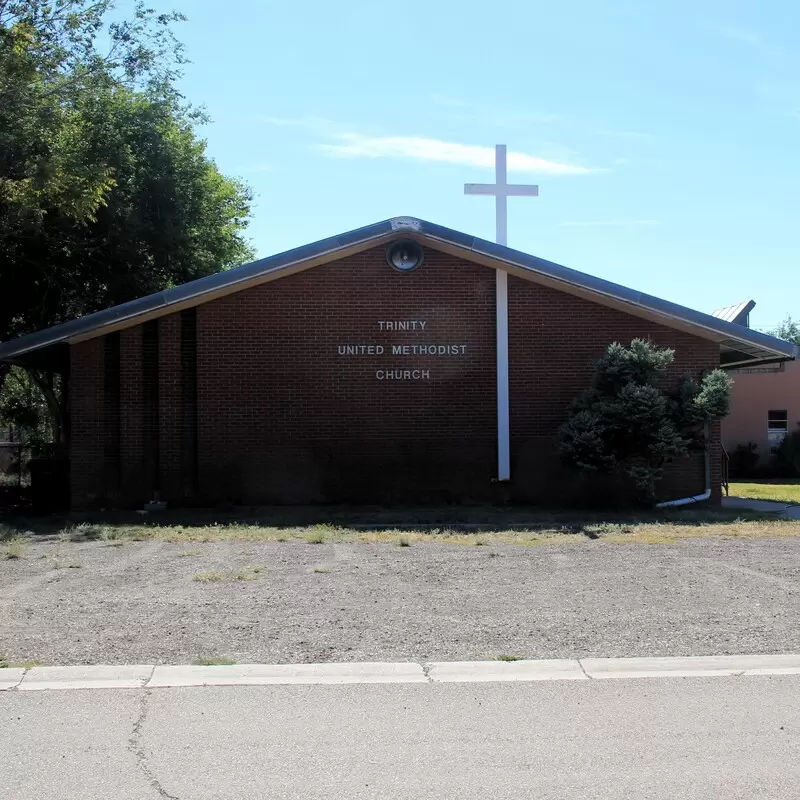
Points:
(765, 404)
(765, 400)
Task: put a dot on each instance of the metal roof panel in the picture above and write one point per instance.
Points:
(729, 334)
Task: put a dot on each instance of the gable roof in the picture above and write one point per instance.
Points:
(738, 346)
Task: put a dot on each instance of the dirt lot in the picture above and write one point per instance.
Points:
(326, 594)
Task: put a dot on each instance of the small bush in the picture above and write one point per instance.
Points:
(786, 460)
(744, 461)
(8, 532)
(15, 548)
(93, 532)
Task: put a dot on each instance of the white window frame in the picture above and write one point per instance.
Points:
(777, 427)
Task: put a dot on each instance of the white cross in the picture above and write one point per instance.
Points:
(501, 190)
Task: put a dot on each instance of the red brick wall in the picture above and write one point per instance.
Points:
(283, 417)
(554, 340)
(169, 401)
(87, 434)
(134, 490)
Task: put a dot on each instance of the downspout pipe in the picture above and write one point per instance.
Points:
(685, 501)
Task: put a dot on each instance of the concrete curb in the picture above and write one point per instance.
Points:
(691, 666)
(266, 674)
(10, 678)
(150, 676)
(130, 676)
(485, 671)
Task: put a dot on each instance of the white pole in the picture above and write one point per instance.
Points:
(501, 198)
(503, 432)
(501, 191)
(501, 322)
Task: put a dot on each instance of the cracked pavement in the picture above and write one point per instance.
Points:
(658, 739)
(137, 747)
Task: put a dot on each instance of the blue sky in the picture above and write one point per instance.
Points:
(663, 134)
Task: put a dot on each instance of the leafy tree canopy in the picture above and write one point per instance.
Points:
(106, 190)
(789, 330)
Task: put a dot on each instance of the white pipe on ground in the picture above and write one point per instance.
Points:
(685, 501)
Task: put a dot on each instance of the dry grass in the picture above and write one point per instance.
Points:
(647, 532)
(245, 574)
(208, 577)
(15, 548)
(214, 661)
(8, 664)
(541, 530)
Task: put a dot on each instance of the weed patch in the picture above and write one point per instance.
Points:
(6, 663)
(15, 548)
(208, 577)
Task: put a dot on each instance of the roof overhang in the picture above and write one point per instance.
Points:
(738, 346)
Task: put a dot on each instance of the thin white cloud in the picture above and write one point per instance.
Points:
(314, 124)
(463, 111)
(420, 148)
(749, 38)
(609, 223)
(629, 135)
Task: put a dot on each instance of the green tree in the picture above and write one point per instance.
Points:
(789, 330)
(106, 190)
(627, 424)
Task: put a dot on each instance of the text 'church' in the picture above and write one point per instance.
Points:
(390, 364)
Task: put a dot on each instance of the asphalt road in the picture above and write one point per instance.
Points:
(645, 739)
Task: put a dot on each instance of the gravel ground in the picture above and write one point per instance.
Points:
(139, 602)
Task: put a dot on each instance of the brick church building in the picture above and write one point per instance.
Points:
(401, 362)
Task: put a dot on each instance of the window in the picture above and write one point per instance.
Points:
(777, 428)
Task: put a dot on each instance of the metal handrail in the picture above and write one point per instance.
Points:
(726, 463)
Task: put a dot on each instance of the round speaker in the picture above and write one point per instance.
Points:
(404, 255)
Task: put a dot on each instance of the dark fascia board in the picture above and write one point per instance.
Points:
(728, 334)
(760, 346)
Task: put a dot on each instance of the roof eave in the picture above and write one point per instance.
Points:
(760, 346)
